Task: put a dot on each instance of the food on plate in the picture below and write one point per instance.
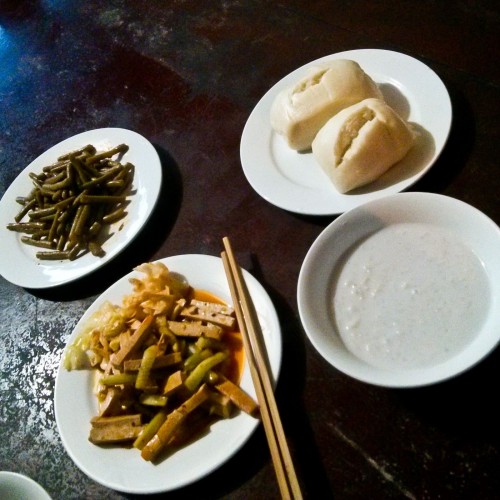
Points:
(73, 202)
(360, 143)
(298, 112)
(167, 363)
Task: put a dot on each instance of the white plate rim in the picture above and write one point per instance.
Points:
(22, 268)
(343, 232)
(205, 272)
(312, 193)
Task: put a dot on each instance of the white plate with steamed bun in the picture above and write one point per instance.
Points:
(295, 182)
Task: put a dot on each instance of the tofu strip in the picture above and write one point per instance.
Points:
(174, 419)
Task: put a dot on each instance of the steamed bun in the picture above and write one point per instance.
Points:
(298, 112)
(360, 143)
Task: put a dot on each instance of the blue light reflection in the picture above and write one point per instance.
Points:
(5, 41)
(8, 57)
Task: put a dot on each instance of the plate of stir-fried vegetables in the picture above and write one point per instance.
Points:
(153, 391)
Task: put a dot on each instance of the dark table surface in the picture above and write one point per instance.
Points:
(186, 75)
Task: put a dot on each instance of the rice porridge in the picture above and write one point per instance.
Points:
(410, 295)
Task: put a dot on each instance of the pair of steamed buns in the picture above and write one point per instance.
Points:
(338, 111)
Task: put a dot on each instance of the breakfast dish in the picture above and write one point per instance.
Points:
(294, 181)
(123, 469)
(167, 362)
(403, 291)
(299, 111)
(20, 264)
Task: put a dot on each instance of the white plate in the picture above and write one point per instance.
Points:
(295, 182)
(124, 469)
(19, 264)
(317, 279)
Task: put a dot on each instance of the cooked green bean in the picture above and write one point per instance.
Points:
(55, 167)
(53, 228)
(196, 358)
(83, 176)
(55, 255)
(76, 227)
(42, 212)
(57, 186)
(150, 429)
(126, 170)
(82, 219)
(94, 229)
(96, 249)
(195, 378)
(122, 148)
(148, 358)
(118, 214)
(65, 202)
(35, 178)
(27, 207)
(39, 199)
(56, 178)
(109, 174)
(73, 253)
(115, 184)
(101, 198)
(40, 234)
(47, 218)
(37, 243)
(89, 149)
(61, 242)
(90, 169)
(25, 227)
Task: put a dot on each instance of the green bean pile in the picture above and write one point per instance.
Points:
(72, 202)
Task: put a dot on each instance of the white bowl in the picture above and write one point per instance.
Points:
(14, 486)
(319, 278)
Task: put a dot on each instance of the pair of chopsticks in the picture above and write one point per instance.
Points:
(252, 335)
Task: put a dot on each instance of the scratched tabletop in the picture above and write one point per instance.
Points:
(186, 75)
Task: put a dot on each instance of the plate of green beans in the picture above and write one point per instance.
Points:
(76, 206)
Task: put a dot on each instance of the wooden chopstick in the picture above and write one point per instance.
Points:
(252, 335)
